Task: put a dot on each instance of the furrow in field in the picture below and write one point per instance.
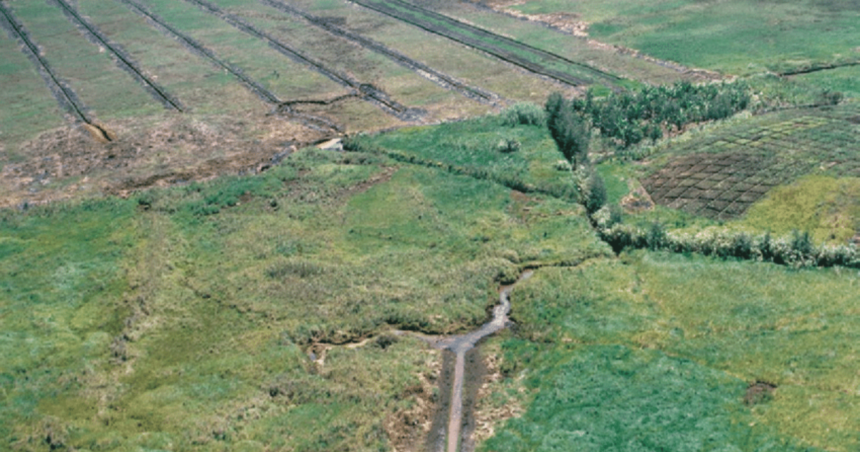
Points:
(61, 90)
(523, 55)
(440, 78)
(367, 91)
(198, 48)
(123, 61)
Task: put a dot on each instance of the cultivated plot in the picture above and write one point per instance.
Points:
(720, 173)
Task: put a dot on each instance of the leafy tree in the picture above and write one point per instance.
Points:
(569, 130)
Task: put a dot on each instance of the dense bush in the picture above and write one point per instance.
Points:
(630, 117)
(595, 197)
(569, 130)
(508, 145)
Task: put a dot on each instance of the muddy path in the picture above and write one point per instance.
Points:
(365, 91)
(122, 59)
(440, 78)
(530, 58)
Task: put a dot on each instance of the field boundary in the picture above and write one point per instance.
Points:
(367, 91)
(119, 55)
(440, 78)
(495, 50)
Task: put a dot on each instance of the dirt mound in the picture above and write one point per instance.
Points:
(759, 392)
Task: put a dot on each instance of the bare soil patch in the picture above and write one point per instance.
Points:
(759, 392)
(67, 162)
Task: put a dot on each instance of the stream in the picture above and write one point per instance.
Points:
(461, 344)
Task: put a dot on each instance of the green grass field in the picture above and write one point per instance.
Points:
(149, 335)
(734, 37)
(657, 351)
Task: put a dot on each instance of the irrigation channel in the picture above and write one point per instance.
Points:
(119, 55)
(440, 78)
(366, 91)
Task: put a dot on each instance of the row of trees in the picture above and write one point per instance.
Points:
(796, 250)
(629, 117)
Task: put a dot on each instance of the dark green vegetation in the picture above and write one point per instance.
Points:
(628, 118)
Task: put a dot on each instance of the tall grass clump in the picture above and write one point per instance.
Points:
(524, 113)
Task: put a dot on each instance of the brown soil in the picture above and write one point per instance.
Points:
(637, 201)
(759, 392)
(488, 417)
(68, 161)
(476, 370)
(435, 441)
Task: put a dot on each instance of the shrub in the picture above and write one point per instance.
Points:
(596, 193)
(507, 146)
(524, 113)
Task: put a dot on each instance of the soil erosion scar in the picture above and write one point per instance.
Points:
(62, 92)
(367, 91)
(530, 58)
(440, 78)
(123, 61)
(462, 344)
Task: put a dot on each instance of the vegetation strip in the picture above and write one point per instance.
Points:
(440, 78)
(199, 49)
(64, 94)
(523, 55)
(367, 91)
(123, 61)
